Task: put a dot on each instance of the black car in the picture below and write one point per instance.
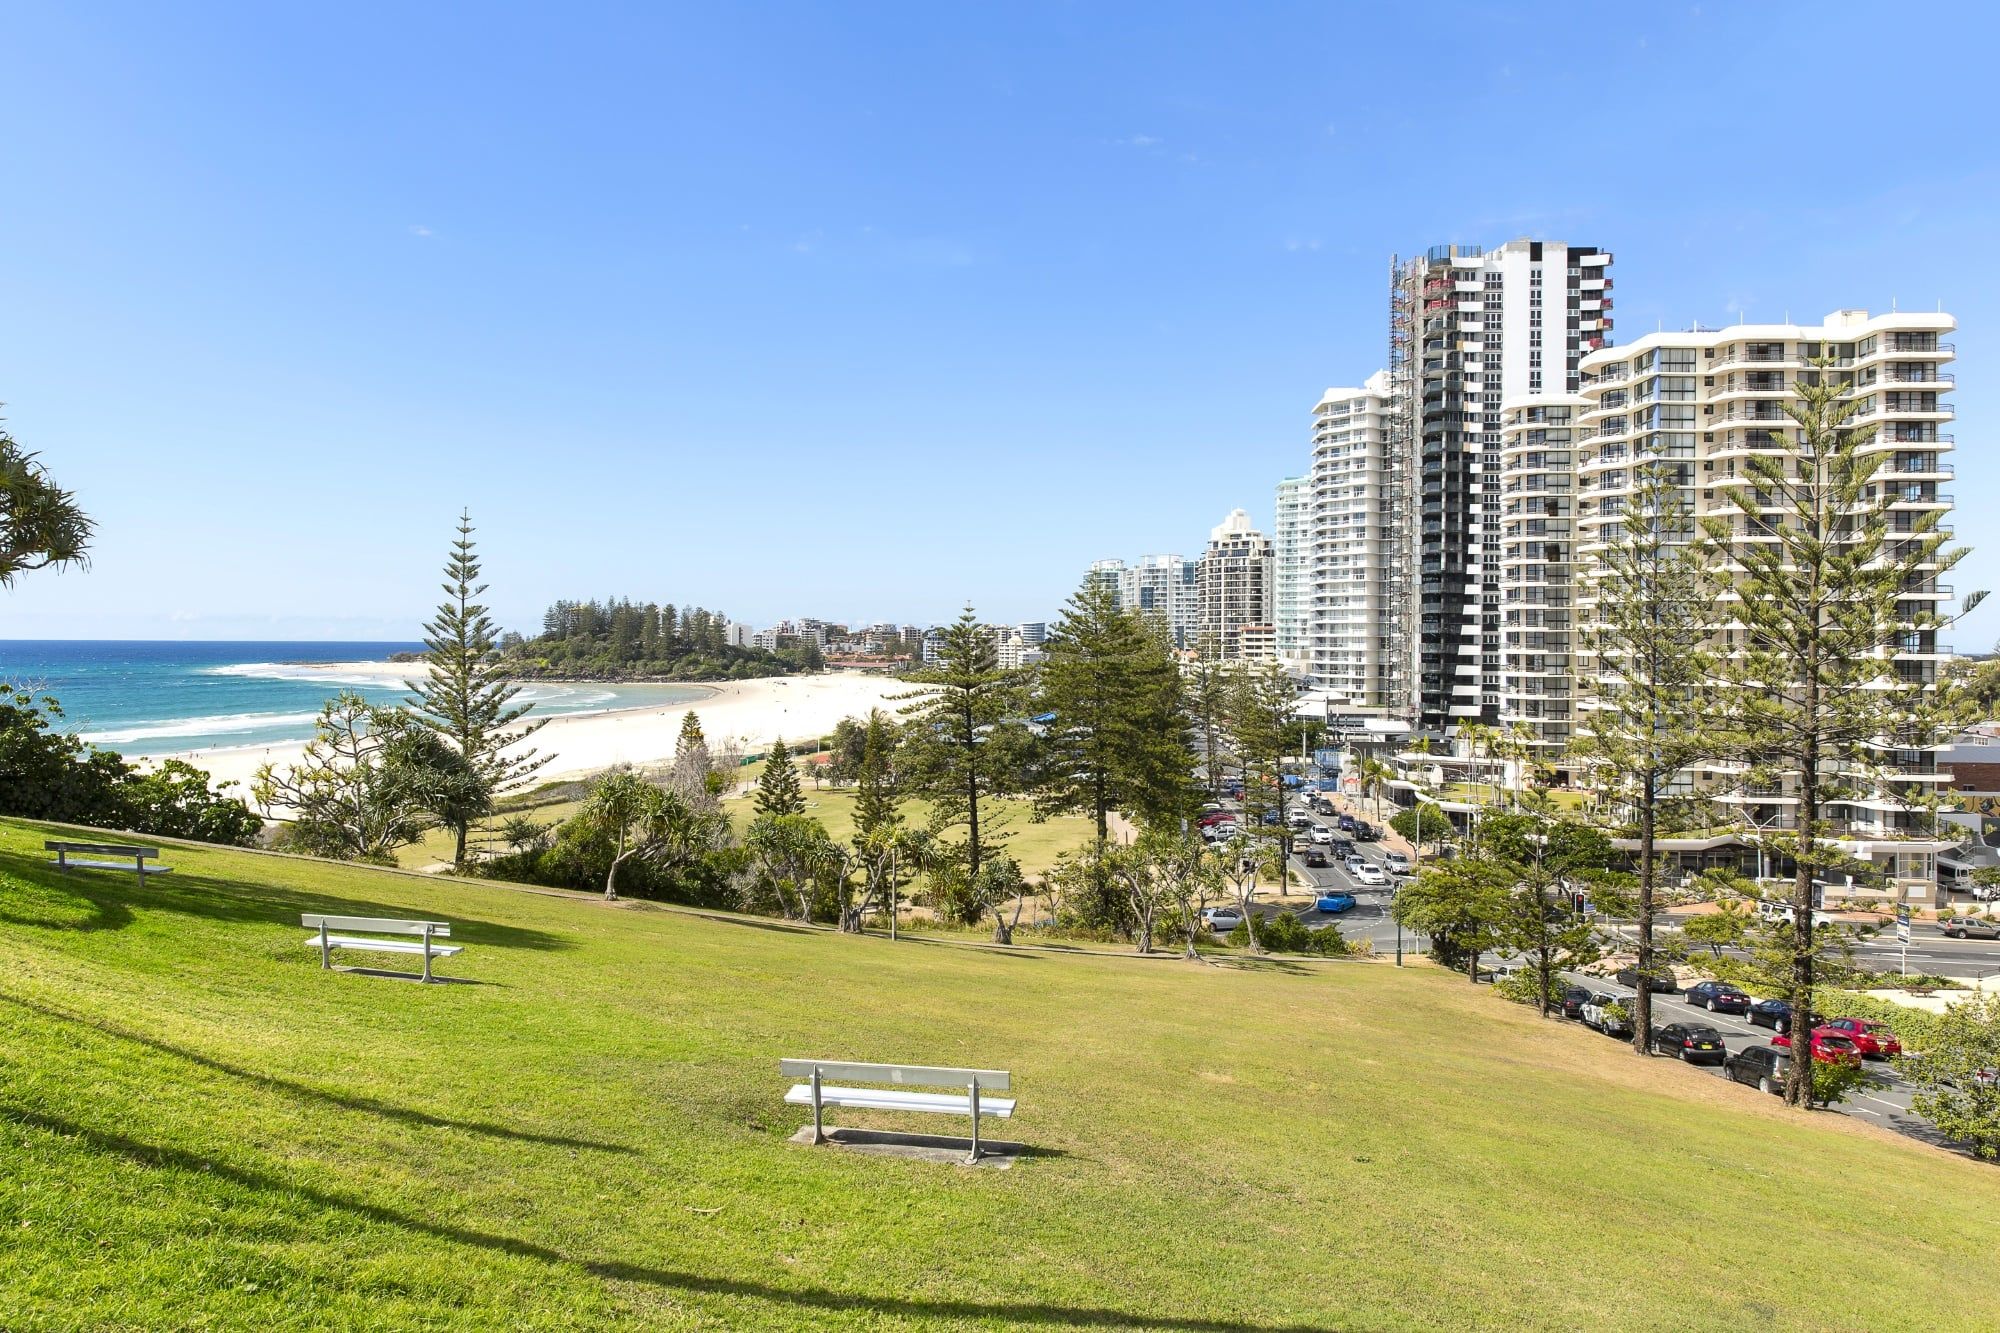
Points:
(1661, 982)
(1315, 858)
(1693, 1042)
(1366, 832)
(1573, 999)
(1773, 1014)
(1718, 997)
(1343, 847)
(1763, 1067)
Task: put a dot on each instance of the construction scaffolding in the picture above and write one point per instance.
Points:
(1401, 486)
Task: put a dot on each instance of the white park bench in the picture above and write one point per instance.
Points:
(818, 1093)
(131, 858)
(364, 933)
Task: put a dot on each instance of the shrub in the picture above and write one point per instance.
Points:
(1285, 933)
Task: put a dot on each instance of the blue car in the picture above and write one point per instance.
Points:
(1334, 902)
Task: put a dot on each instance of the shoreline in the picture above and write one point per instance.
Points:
(751, 713)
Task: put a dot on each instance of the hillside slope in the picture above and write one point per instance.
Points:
(200, 1127)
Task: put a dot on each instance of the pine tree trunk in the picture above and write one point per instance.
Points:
(1798, 1088)
(458, 856)
(1642, 1003)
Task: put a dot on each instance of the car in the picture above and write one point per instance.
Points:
(1333, 901)
(1322, 836)
(1718, 997)
(1209, 807)
(1315, 859)
(1761, 1067)
(1609, 1014)
(1355, 860)
(1396, 863)
(1322, 806)
(1346, 823)
(1970, 928)
(1366, 832)
(1300, 822)
(1215, 817)
(1874, 1040)
(1773, 1014)
(1369, 873)
(1660, 982)
(1828, 1047)
(1342, 847)
(1573, 999)
(1695, 1043)
(1222, 920)
(1268, 818)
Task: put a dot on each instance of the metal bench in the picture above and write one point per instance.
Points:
(134, 857)
(409, 937)
(817, 1093)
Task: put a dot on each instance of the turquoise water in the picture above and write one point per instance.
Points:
(158, 697)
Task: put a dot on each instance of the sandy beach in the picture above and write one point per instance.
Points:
(751, 712)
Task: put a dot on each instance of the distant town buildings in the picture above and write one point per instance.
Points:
(1291, 575)
(1163, 586)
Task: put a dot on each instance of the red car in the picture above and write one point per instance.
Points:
(1214, 817)
(1828, 1046)
(1873, 1040)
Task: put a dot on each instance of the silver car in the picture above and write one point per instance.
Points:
(1970, 928)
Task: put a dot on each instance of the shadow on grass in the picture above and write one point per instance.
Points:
(305, 1091)
(284, 1191)
(50, 900)
(781, 927)
(114, 896)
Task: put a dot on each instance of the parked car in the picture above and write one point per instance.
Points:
(1333, 901)
(1695, 1043)
(1217, 816)
(1718, 997)
(1369, 873)
(1396, 863)
(1970, 928)
(1874, 1040)
(1269, 818)
(1573, 999)
(1660, 982)
(1222, 920)
(1828, 1046)
(1322, 835)
(1315, 858)
(1209, 807)
(1761, 1067)
(1773, 1014)
(1609, 1014)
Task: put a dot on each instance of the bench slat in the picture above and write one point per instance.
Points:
(385, 946)
(923, 1076)
(876, 1099)
(107, 848)
(118, 865)
(374, 925)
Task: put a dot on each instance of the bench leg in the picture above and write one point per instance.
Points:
(325, 950)
(427, 954)
(975, 1124)
(62, 861)
(819, 1131)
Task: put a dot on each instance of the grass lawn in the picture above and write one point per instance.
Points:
(200, 1128)
(1033, 846)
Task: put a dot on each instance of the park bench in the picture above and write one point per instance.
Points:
(131, 858)
(365, 933)
(818, 1093)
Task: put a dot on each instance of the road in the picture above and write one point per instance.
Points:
(1886, 1101)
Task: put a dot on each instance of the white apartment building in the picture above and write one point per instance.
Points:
(1291, 582)
(1357, 647)
(1704, 401)
(1469, 330)
(1537, 523)
(1235, 581)
(1165, 586)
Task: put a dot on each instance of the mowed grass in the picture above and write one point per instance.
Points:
(200, 1128)
(1033, 845)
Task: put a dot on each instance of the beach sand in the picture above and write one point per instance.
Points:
(752, 713)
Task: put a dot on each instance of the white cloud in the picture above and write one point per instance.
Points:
(420, 231)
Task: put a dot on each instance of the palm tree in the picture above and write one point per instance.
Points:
(1374, 775)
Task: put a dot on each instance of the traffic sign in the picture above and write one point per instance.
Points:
(1903, 924)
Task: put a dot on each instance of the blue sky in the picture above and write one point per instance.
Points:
(865, 310)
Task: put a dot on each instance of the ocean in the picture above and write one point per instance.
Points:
(151, 698)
